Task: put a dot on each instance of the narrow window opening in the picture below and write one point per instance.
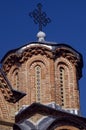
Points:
(38, 83)
(16, 80)
(16, 85)
(62, 85)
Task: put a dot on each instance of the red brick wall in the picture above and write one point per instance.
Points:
(70, 91)
(50, 81)
(21, 74)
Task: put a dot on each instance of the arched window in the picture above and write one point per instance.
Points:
(16, 79)
(38, 82)
(62, 85)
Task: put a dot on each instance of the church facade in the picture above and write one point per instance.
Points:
(48, 73)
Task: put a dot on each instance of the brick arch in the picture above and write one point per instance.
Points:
(15, 73)
(10, 75)
(32, 73)
(37, 62)
(40, 58)
(62, 71)
(16, 84)
(68, 123)
(12, 79)
(67, 63)
(70, 82)
(43, 62)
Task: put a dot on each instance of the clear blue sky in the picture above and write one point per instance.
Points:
(68, 26)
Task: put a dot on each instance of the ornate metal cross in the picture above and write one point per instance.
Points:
(39, 17)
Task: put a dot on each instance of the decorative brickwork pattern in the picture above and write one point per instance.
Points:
(51, 91)
(59, 71)
(70, 88)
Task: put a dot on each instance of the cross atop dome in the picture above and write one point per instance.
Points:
(39, 17)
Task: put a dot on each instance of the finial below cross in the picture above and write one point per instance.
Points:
(39, 17)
